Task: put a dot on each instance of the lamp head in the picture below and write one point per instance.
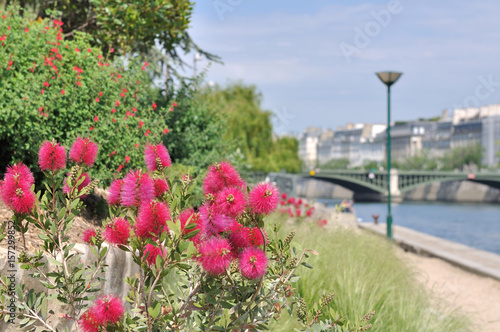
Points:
(389, 77)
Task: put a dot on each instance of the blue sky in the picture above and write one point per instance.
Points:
(314, 61)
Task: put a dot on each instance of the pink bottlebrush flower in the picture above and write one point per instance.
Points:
(89, 321)
(216, 255)
(161, 187)
(298, 212)
(309, 212)
(15, 189)
(239, 237)
(86, 181)
(88, 235)
(108, 309)
(231, 202)
(242, 237)
(51, 156)
(291, 200)
(137, 188)
(253, 263)
(195, 219)
(23, 201)
(255, 236)
(322, 222)
(83, 151)
(220, 176)
(282, 202)
(212, 223)
(118, 232)
(152, 252)
(264, 198)
(152, 220)
(290, 212)
(284, 196)
(21, 172)
(156, 154)
(114, 192)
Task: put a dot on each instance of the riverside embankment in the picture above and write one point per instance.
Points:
(464, 277)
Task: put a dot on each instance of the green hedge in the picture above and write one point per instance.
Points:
(49, 89)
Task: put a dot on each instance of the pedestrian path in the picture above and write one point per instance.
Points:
(471, 259)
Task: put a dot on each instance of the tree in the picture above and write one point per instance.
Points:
(460, 157)
(342, 163)
(249, 126)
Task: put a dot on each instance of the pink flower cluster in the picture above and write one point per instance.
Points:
(294, 206)
(15, 189)
(107, 310)
(138, 187)
(220, 238)
(83, 152)
(223, 239)
(142, 191)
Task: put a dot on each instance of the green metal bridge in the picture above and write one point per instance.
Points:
(401, 181)
(368, 185)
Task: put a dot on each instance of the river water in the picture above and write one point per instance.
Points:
(475, 225)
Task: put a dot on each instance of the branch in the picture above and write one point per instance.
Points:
(31, 314)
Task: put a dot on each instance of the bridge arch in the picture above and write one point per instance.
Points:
(356, 186)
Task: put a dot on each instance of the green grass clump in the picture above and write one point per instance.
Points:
(366, 274)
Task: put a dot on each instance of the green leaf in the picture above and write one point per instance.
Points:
(191, 234)
(309, 266)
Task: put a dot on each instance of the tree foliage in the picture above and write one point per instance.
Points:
(125, 26)
(250, 126)
(460, 157)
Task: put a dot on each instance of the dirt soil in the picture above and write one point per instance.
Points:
(34, 242)
(475, 296)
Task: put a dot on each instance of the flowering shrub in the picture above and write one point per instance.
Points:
(211, 269)
(295, 207)
(52, 87)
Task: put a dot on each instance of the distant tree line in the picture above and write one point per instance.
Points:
(461, 158)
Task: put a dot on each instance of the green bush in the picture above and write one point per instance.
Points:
(62, 89)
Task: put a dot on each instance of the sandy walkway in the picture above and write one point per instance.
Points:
(476, 296)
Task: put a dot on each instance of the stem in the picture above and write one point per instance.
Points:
(193, 292)
(216, 309)
(234, 286)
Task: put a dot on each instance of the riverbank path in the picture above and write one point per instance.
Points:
(471, 259)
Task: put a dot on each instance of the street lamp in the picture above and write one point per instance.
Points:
(389, 78)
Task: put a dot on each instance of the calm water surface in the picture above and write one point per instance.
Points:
(475, 225)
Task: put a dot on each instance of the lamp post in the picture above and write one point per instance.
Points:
(389, 78)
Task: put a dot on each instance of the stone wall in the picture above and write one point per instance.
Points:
(454, 191)
(120, 265)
